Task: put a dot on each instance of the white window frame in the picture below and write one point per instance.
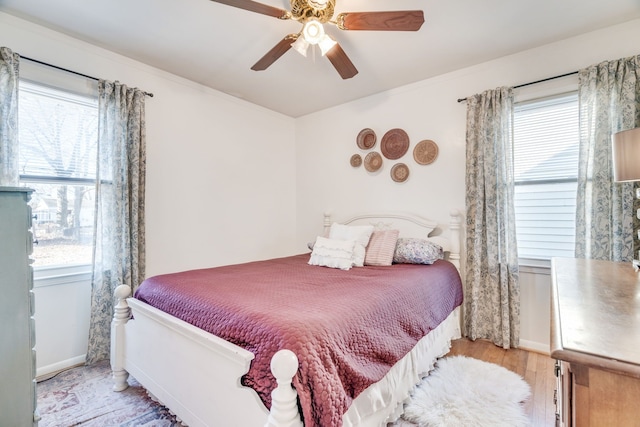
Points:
(54, 275)
(552, 90)
(59, 274)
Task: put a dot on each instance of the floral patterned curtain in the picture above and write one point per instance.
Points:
(492, 292)
(119, 253)
(609, 95)
(9, 70)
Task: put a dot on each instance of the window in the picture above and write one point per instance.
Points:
(546, 138)
(58, 140)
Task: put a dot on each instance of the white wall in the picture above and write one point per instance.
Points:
(220, 175)
(535, 308)
(63, 302)
(428, 110)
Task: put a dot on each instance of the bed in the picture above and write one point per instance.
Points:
(184, 361)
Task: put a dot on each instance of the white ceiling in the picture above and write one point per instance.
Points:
(215, 44)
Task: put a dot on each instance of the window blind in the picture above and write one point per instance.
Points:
(545, 138)
(57, 133)
(546, 141)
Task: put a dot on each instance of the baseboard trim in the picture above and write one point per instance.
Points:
(46, 372)
(534, 346)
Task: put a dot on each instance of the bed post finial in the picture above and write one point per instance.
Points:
(455, 222)
(121, 315)
(327, 223)
(284, 399)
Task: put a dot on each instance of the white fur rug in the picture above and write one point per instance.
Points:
(462, 391)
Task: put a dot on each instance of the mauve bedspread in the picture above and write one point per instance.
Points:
(346, 327)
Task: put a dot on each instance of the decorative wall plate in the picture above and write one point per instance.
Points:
(394, 144)
(356, 160)
(373, 161)
(400, 172)
(366, 139)
(425, 152)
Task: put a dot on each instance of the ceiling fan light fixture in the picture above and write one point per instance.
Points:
(300, 46)
(326, 44)
(312, 15)
(318, 4)
(313, 31)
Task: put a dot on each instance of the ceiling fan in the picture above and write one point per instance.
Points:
(313, 14)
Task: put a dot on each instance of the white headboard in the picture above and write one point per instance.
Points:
(409, 225)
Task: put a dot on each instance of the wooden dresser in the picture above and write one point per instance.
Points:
(17, 329)
(595, 338)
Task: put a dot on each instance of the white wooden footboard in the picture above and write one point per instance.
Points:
(193, 373)
(197, 375)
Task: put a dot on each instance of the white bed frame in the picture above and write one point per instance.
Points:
(197, 375)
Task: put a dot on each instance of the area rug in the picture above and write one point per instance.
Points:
(83, 396)
(462, 391)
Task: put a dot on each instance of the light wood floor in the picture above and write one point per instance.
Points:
(535, 368)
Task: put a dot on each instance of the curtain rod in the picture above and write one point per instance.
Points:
(69, 71)
(536, 82)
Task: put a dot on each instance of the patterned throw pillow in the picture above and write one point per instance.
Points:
(417, 251)
(382, 246)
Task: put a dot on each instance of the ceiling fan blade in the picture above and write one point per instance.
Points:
(275, 53)
(257, 7)
(341, 62)
(403, 20)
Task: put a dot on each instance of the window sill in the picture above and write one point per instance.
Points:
(60, 275)
(534, 266)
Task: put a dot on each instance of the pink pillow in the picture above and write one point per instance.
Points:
(382, 246)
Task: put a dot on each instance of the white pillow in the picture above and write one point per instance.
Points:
(360, 233)
(333, 253)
